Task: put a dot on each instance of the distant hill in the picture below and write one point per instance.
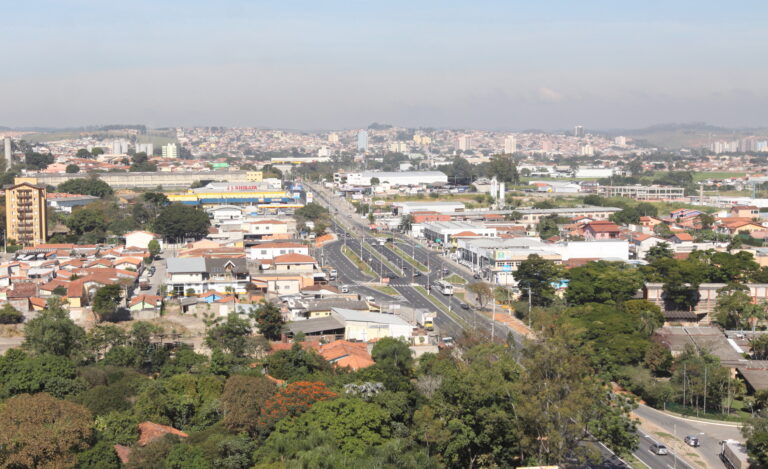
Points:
(687, 135)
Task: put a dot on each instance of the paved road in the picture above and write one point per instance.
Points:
(655, 461)
(710, 434)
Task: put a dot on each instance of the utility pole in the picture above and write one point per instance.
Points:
(529, 306)
(493, 318)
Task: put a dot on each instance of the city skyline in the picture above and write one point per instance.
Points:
(302, 65)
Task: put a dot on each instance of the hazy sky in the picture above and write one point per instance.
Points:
(332, 64)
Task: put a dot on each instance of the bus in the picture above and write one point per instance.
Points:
(444, 287)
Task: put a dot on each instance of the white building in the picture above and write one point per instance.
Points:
(200, 274)
(442, 231)
(510, 145)
(366, 326)
(594, 172)
(224, 213)
(170, 151)
(406, 178)
(147, 148)
(270, 250)
(139, 239)
(405, 208)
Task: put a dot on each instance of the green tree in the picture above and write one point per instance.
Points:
(548, 227)
(504, 169)
(482, 291)
(353, 424)
(296, 363)
(393, 354)
(659, 251)
(269, 320)
(10, 315)
(53, 332)
(154, 248)
(242, 402)
(538, 274)
(734, 308)
(755, 431)
(42, 431)
(37, 161)
(177, 221)
(83, 153)
(21, 373)
(87, 186)
(85, 220)
(101, 456)
(231, 336)
(603, 281)
(106, 300)
(72, 169)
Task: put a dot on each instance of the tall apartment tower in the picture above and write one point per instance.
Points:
(147, 148)
(25, 210)
(464, 143)
(578, 131)
(8, 151)
(362, 140)
(170, 151)
(510, 145)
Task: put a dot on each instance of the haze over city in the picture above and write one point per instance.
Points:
(323, 65)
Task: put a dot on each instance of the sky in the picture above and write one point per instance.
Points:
(318, 64)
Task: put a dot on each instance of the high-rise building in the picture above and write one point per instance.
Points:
(578, 131)
(464, 143)
(25, 213)
(333, 138)
(362, 140)
(120, 147)
(147, 148)
(170, 151)
(8, 151)
(510, 145)
(586, 150)
(620, 141)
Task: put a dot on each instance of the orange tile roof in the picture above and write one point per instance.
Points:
(150, 431)
(294, 259)
(343, 353)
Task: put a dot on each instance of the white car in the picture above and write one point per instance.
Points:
(344, 289)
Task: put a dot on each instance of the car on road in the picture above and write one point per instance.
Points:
(476, 276)
(370, 299)
(448, 342)
(659, 449)
(692, 440)
(464, 306)
(344, 289)
(417, 274)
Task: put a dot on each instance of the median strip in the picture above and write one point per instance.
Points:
(409, 259)
(359, 263)
(456, 318)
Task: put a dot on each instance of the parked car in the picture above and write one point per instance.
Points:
(692, 440)
(659, 449)
(344, 289)
(464, 306)
(448, 342)
(370, 299)
(476, 276)
(417, 274)
(145, 286)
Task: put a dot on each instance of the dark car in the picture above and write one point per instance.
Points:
(417, 274)
(476, 276)
(692, 440)
(464, 306)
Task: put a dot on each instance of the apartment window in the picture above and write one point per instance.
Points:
(263, 251)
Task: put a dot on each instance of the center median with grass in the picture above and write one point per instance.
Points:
(359, 263)
(416, 264)
(441, 306)
(383, 259)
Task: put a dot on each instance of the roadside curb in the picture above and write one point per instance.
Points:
(695, 419)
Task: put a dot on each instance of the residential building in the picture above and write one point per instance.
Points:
(392, 178)
(147, 148)
(362, 140)
(25, 213)
(601, 230)
(464, 143)
(170, 151)
(405, 208)
(745, 211)
(8, 151)
(198, 274)
(62, 202)
(139, 239)
(578, 131)
(271, 250)
(510, 145)
(441, 232)
(532, 216)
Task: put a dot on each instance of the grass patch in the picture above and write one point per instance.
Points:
(664, 435)
(359, 263)
(455, 279)
(701, 176)
(383, 259)
(416, 264)
(386, 289)
(634, 462)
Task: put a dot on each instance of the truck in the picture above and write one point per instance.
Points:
(332, 274)
(734, 455)
(425, 319)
